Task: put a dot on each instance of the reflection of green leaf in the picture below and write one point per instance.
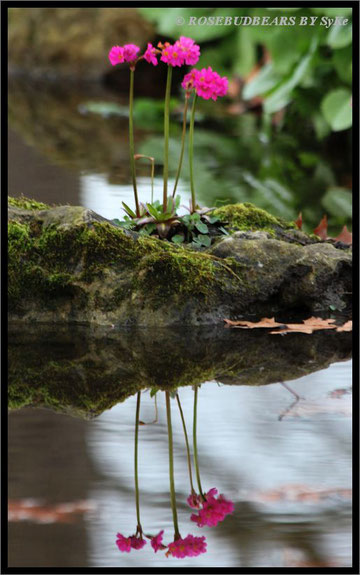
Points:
(340, 36)
(337, 110)
(263, 82)
(338, 202)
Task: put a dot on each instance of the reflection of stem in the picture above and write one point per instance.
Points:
(187, 443)
(182, 146)
(191, 155)
(196, 461)
(131, 139)
(171, 466)
(136, 462)
(166, 135)
(288, 409)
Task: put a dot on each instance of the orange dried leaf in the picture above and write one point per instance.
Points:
(345, 236)
(299, 221)
(321, 230)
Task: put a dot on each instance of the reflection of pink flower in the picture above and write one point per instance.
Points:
(150, 55)
(116, 55)
(189, 547)
(137, 542)
(125, 544)
(194, 500)
(213, 509)
(189, 50)
(172, 55)
(156, 541)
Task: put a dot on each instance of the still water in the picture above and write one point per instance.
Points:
(284, 461)
(281, 454)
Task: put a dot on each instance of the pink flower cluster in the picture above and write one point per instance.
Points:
(190, 546)
(207, 83)
(120, 54)
(184, 51)
(214, 509)
(156, 541)
(125, 544)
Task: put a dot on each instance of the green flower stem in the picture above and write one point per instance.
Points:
(191, 154)
(131, 139)
(166, 135)
(171, 466)
(182, 146)
(196, 461)
(187, 443)
(139, 529)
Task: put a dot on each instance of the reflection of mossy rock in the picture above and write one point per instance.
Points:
(67, 264)
(71, 41)
(84, 371)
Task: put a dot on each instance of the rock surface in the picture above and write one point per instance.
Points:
(70, 265)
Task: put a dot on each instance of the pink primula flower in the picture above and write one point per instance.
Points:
(190, 50)
(208, 84)
(150, 55)
(130, 52)
(172, 55)
(156, 541)
(116, 55)
(189, 547)
(189, 80)
(137, 542)
(213, 510)
(194, 501)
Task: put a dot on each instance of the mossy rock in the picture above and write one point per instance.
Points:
(70, 265)
(83, 371)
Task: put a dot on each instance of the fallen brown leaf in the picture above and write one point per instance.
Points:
(321, 229)
(345, 236)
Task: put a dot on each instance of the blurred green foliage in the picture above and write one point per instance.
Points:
(310, 67)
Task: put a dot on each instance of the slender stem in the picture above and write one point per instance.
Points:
(171, 466)
(196, 461)
(186, 442)
(136, 462)
(166, 135)
(182, 146)
(131, 140)
(191, 154)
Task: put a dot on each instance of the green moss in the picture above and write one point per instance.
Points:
(247, 217)
(181, 272)
(26, 203)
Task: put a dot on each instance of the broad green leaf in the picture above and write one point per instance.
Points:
(282, 95)
(178, 239)
(104, 109)
(340, 36)
(245, 52)
(202, 228)
(342, 60)
(266, 80)
(321, 126)
(332, 11)
(338, 202)
(204, 240)
(337, 110)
